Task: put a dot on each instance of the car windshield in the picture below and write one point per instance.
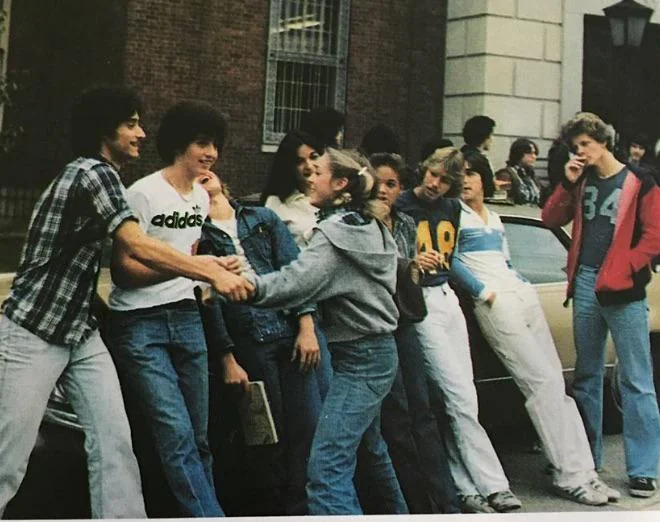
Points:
(536, 253)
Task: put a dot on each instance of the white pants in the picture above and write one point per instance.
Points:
(443, 336)
(29, 369)
(516, 329)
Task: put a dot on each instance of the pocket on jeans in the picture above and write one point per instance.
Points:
(489, 317)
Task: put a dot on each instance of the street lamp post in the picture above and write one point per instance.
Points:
(628, 20)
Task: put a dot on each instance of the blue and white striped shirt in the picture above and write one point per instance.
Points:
(481, 259)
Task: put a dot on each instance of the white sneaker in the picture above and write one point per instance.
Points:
(612, 494)
(475, 504)
(583, 494)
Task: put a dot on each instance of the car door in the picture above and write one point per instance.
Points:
(539, 255)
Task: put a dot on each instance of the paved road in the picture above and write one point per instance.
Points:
(533, 487)
(57, 488)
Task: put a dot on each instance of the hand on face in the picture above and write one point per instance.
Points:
(573, 169)
(210, 181)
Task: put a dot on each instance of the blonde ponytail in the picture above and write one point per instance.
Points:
(360, 192)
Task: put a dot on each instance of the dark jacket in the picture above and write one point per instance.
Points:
(626, 268)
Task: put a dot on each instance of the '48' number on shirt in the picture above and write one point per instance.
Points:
(445, 234)
(608, 208)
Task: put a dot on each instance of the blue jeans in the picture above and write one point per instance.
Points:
(629, 326)
(295, 399)
(160, 355)
(407, 414)
(363, 372)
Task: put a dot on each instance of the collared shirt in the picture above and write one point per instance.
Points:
(404, 232)
(298, 214)
(54, 287)
(482, 260)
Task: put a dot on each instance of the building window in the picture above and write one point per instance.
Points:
(307, 48)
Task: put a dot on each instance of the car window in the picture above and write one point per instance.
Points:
(536, 253)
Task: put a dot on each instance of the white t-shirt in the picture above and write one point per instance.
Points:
(174, 219)
(230, 227)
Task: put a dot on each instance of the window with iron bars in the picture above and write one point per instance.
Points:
(307, 48)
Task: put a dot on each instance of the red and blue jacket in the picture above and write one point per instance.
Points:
(626, 269)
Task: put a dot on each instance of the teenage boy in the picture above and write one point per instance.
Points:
(478, 137)
(157, 336)
(511, 319)
(477, 472)
(410, 427)
(47, 332)
(616, 233)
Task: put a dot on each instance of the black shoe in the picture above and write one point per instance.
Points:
(643, 487)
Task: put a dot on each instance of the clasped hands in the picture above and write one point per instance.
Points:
(225, 277)
(429, 260)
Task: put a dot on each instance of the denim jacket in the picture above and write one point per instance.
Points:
(268, 246)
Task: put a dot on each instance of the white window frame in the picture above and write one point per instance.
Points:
(336, 59)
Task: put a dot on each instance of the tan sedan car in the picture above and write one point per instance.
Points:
(540, 254)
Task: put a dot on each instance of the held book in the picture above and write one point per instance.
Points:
(256, 417)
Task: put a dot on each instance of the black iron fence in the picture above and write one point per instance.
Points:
(16, 206)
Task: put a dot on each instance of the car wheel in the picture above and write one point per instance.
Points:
(612, 409)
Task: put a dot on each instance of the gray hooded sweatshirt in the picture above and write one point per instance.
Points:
(350, 270)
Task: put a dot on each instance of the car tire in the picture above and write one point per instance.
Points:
(612, 410)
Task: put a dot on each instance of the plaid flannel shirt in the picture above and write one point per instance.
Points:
(55, 284)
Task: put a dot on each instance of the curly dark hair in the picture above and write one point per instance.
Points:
(186, 122)
(97, 113)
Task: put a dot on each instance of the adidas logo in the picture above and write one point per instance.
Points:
(176, 220)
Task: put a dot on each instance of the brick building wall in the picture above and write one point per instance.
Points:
(396, 70)
(209, 50)
(214, 50)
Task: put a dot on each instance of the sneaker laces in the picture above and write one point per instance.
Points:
(601, 487)
(584, 494)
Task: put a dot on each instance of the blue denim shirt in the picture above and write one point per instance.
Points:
(268, 246)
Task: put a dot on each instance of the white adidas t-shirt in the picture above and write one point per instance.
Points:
(174, 219)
